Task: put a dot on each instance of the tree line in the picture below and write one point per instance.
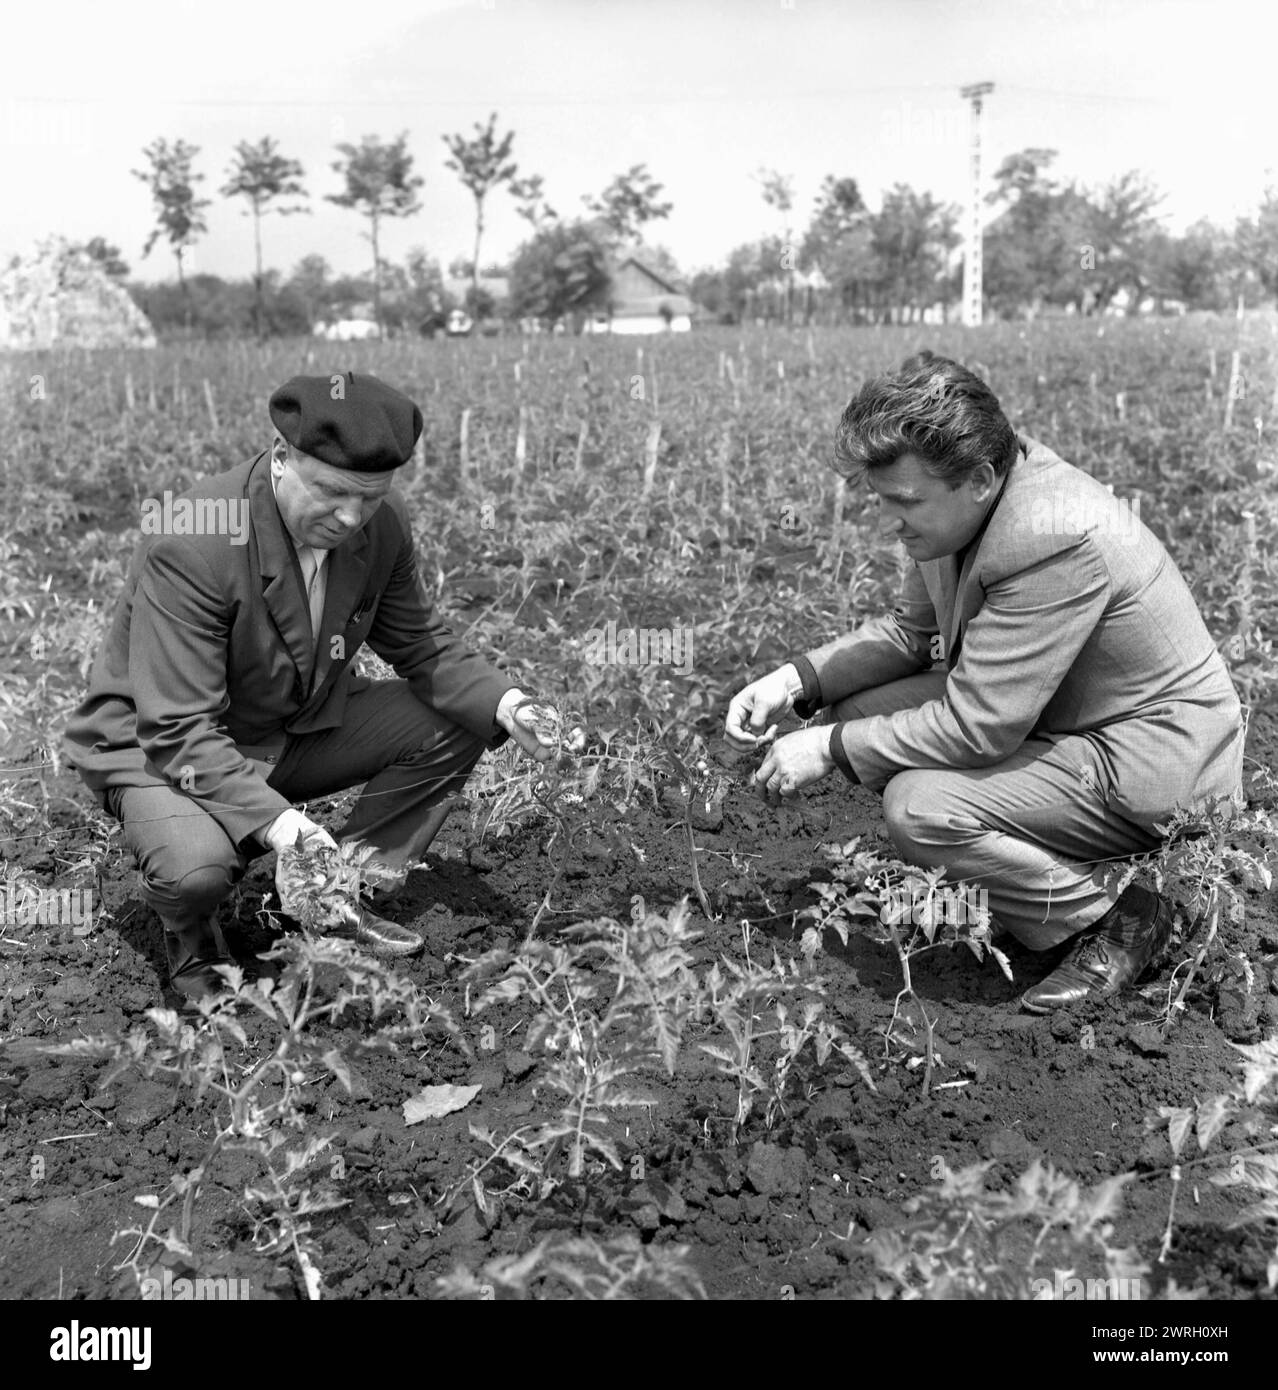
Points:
(1050, 245)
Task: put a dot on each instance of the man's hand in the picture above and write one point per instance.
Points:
(282, 832)
(794, 762)
(754, 710)
(535, 725)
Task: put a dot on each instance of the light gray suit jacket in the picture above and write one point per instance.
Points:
(1067, 617)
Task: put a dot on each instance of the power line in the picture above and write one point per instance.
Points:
(425, 102)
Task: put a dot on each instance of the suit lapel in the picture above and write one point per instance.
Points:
(281, 581)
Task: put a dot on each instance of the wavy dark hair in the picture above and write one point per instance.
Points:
(931, 407)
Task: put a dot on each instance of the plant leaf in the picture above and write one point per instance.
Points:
(432, 1102)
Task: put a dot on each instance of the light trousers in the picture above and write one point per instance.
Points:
(1033, 831)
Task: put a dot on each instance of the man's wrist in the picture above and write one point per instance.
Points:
(839, 754)
(809, 698)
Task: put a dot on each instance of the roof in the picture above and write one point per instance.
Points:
(647, 270)
(641, 292)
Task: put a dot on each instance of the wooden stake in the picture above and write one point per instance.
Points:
(736, 390)
(1235, 365)
(521, 444)
(208, 400)
(129, 400)
(651, 449)
(464, 444)
(725, 480)
(579, 465)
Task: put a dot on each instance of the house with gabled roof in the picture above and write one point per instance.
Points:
(642, 301)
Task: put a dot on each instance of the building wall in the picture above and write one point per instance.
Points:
(650, 323)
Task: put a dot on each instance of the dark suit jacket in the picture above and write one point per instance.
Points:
(209, 661)
(1066, 616)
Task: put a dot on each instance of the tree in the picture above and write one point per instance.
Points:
(561, 270)
(379, 183)
(1036, 249)
(179, 213)
(263, 176)
(838, 240)
(107, 256)
(628, 204)
(426, 295)
(778, 193)
(310, 280)
(1256, 239)
(532, 206)
(746, 286)
(912, 236)
(1120, 229)
(482, 163)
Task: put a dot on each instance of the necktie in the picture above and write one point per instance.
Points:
(313, 581)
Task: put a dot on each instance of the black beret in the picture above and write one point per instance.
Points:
(353, 422)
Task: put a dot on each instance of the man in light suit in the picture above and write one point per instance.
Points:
(223, 692)
(1042, 696)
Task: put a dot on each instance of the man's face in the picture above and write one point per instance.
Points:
(924, 513)
(321, 505)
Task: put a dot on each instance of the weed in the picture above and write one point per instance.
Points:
(1254, 1166)
(584, 1267)
(257, 1083)
(965, 1241)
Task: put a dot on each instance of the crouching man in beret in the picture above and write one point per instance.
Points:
(223, 692)
(1043, 695)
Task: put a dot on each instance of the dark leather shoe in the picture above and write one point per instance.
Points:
(1109, 956)
(198, 979)
(380, 936)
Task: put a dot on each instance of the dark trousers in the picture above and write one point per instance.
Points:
(412, 760)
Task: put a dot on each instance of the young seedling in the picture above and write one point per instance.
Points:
(1253, 1166)
(611, 1002)
(909, 909)
(257, 1085)
(1208, 857)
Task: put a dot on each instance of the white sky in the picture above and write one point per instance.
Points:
(703, 91)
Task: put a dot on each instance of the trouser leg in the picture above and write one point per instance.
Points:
(412, 760)
(1035, 831)
(188, 866)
